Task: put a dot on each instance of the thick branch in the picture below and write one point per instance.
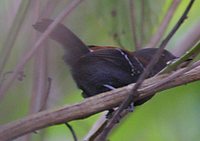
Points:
(89, 106)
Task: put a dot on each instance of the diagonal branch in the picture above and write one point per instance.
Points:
(28, 56)
(13, 34)
(188, 40)
(90, 106)
(159, 34)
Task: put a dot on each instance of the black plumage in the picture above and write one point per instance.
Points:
(97, 69)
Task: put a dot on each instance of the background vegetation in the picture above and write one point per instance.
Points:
(172, 115)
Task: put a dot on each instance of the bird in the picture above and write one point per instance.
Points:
(97, 69)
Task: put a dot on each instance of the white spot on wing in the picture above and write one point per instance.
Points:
(109, 87)
(129, 62)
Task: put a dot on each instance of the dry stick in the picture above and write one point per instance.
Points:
(99, 127)
(174, 75)
(133, 24)
(12, 34)
(47, 11)
(142, 23)
(43, 85)
(46, 95)
(39, 70)
(134, 92)
(39, 67)
(27, 57)
(89, 106)
(41, 82)
(188, 40)
(96, 128)
(167, 18)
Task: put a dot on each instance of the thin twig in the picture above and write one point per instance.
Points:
(96, 137)
(97, 128)
(72, 131)
(89, 106)
(38, 67)
(142, 23)
(188, 40)
(70, 7)
(46, 95)
(12, 34)
(133, 24)
(161, 30)
(174, 75)
(36, 93)
(154, 60)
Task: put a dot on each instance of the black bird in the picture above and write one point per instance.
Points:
(98, 69)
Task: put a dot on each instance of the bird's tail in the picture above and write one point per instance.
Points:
(74, 47)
